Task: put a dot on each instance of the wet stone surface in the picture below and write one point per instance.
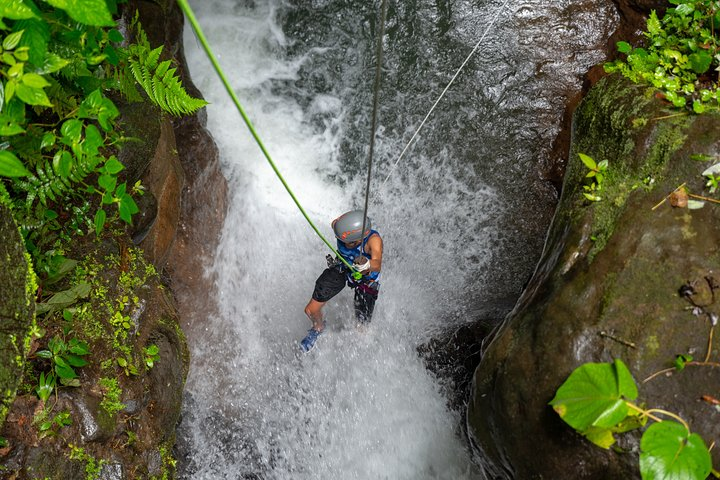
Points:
(617, 280)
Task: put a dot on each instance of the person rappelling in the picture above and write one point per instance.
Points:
(364, 251)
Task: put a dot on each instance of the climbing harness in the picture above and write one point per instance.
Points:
(452, 80)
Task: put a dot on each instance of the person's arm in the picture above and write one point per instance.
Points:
(374, 247)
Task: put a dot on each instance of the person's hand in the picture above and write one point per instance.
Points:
(331, 262)
(362, 264)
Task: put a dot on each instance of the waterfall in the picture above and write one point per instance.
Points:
(453, 216)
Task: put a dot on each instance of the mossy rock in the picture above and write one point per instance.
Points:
(124, 412)
(607, 287)
(17, 309)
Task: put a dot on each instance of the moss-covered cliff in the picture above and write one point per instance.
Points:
(119, 419)
(607, 287)
(17, 309)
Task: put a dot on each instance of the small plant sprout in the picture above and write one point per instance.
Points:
(50, 427)
(681, 361)
(45, 387)
(596, 175)
(713, 177)
(65, 357)
(152, 355)
(127, 366)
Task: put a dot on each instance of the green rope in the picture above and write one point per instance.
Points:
(198, 31)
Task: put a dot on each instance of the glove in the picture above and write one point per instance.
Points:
(331, 262)
(362, 264)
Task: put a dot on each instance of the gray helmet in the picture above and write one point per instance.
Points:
(348, 225)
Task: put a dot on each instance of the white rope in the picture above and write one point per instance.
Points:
(422, 124)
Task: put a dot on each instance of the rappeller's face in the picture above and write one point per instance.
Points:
(352, 244)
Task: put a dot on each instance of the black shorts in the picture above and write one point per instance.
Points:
(333, 280)
(329, 284)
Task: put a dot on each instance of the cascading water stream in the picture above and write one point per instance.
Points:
(362, 405)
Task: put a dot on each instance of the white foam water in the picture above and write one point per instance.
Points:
(362, 404)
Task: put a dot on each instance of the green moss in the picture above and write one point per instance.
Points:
(169, 463)
(611, 124)
(92, 465)
(652, 345)
(17, 289)
(111, 395)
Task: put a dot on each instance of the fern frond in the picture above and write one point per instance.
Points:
(160, 82)
(125, 84)
(151, 60)
(48, 185)
(162, 68)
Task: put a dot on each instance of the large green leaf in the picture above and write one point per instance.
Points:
(63, 163)
(10, 166)
(670, 452)
(93, 140)
(113, 165)
(588, 161)
(100, 217)
(36, 37)
(602, 437)
(12, 40)
(52, 63)
(89, 12)
(127, 208)
(74, 360)
(34, 80)
(96, 105)
(64, 299)
(594, 395)
(32, 95)
(63, 370)
(700, 61)
(624, 47)
(71, 131)
(15, 9)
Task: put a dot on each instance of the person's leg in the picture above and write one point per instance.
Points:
(364, 304)
(313, 310)
(328, 284)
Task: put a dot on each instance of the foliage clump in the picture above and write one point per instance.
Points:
(597, 400)
(62, 68)
(681, 57)
(65, 66)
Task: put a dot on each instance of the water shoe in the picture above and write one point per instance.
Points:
(308, 342)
